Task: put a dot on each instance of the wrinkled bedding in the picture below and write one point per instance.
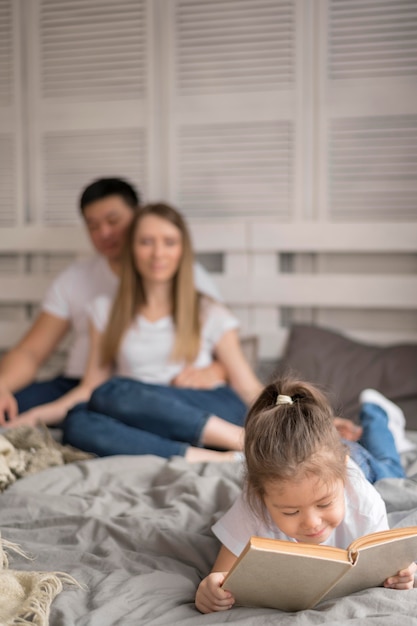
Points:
(135, 531)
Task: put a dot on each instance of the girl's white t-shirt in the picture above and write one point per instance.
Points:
(365, 513)
(146, 346)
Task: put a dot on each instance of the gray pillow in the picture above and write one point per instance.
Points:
(343, 368)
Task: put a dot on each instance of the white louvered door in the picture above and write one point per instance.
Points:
(368, 110)
(89, 94)
(285, 130)
(232, 107)
(11, 116)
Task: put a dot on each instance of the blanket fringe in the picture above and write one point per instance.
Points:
(13, 547)
(36, 610)
(26, 597)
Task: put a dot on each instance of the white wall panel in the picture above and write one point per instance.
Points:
(286, 130)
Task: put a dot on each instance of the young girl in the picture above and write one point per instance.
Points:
(300, 486)
(158, 329)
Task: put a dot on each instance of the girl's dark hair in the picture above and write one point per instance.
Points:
(289, 441)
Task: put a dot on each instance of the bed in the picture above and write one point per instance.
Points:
(135, 531)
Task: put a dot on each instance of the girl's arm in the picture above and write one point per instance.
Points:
(54, 412)
(239, 373)
(210, 596)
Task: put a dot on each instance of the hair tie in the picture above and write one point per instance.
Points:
(281, 399)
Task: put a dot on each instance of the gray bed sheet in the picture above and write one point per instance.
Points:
(135, 531)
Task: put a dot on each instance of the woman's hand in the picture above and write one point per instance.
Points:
(211, 597)
(347, 429)
(403, 580)
(200, 377)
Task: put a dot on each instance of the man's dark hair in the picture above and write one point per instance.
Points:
(105, 187)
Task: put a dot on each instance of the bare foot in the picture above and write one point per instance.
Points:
(218, 433)
(201, 455)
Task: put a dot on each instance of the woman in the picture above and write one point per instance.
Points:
(157, 325)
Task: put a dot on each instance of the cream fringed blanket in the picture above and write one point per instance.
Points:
(26, 597)
(25, 450)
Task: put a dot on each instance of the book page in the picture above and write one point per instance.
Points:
(376, 563)
(381, 536)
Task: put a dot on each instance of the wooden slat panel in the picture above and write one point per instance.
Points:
(234, 45)
(369, 39)
(373, 167)
(235, 169)
(316, 237)
(93, 53)
(63, 239)
(72, 159)
(6, 53)
(28, 288)
(311, 290)
(391, 292)
(236, 236)
(207, 237)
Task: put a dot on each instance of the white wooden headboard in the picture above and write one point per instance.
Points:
(360, 279)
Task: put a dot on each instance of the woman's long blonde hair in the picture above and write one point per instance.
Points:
(131, 295)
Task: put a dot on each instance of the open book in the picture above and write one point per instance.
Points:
(294, 576)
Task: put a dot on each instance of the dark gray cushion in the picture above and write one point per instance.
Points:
(343, 368)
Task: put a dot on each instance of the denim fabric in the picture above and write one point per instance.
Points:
(43, 392)
(125, 416)
(376, 453)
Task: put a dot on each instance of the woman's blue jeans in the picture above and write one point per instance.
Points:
(125, 416)
(375, 453)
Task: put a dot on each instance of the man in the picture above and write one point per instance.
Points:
(107, 206)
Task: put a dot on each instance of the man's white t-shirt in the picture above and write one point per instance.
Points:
(146, 347)
(77, 286)
(365, 513)
(68, 298)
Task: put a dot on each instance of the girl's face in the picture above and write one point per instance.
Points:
(157, 249)
(308, 510)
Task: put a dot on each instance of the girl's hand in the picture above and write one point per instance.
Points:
(211, 597)
(403, 580)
